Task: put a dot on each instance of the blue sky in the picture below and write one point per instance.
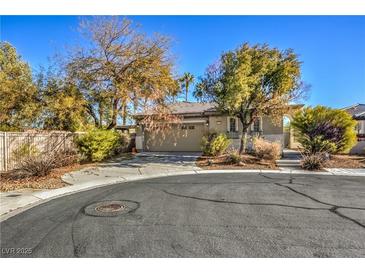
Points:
(332, 48)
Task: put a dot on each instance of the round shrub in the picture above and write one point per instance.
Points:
(25, 150)
(234, 157)
(322, 129)
(99, 144)
(214, 145)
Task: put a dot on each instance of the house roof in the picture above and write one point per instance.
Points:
(357, 111)
(186, 108)
(192, 107)
(197, 109)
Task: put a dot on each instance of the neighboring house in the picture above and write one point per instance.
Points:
(200, 119)
(358, 113)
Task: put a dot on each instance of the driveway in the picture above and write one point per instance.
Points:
(142, 164)
(202, 215)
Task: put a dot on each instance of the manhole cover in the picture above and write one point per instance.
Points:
(110, 208)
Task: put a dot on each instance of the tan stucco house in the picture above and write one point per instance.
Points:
(203, 118)
(358, 113)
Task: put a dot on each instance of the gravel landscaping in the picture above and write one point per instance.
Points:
(51, 181)
(346, 161)
(223, 162)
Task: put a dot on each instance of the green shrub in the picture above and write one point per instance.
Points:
(214, 145)
(205, 143)
(317, 144)
(322, 129)
(25, 150)
(125, 141)
(234, 157)
(220, 144)
(99, 144)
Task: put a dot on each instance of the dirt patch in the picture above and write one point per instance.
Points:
(223, 162)
(51, 181)
(345, 161)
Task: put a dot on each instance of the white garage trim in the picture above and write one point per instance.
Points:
(196, 121)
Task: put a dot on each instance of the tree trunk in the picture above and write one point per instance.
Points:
(186, 91)
(101, 114)
(92, 114)
(135, 103)
(243, 143)
(113, 122)
(246, 118)
(124, 114)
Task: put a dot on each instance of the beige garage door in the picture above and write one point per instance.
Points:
(186, 137)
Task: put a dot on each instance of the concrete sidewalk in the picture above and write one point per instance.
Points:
(142, 166)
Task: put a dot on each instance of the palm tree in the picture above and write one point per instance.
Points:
(199, 91)
(186, 80)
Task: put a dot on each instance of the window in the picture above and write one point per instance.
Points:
(361, 127)
(232, 125)
(187, 127)
(256, 125)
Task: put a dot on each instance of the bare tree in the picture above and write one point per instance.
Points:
(121, 70)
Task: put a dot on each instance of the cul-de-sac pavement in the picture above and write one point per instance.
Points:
(201, 215)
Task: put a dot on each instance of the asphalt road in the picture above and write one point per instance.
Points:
(212, 215)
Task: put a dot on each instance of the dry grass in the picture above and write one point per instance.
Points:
(345, 161)
(224, 162)
(50, 181)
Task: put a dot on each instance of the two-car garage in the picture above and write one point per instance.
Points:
(182, 137)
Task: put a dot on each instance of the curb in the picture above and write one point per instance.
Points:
(48, 195)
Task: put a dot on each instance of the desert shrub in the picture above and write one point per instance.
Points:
(205, 143)
(234, 157)
(322, 129)
(99, 144)
(30, 162)
(214, 144)
(41, 164)
(25, 150)
(65, 158)
(266, 150)
(313, 161)
(124, 143)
